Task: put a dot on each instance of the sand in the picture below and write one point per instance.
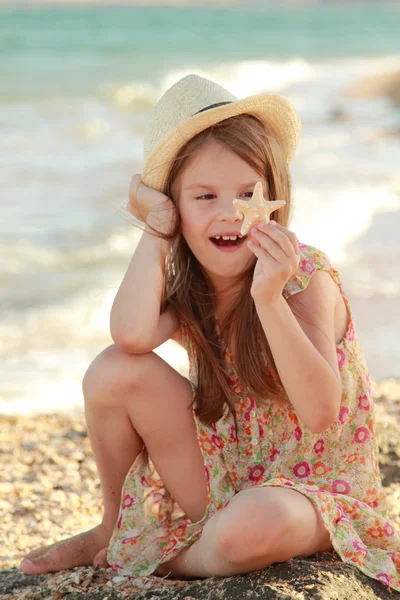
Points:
(50, 489)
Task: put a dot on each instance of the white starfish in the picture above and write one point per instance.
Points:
(257, 208)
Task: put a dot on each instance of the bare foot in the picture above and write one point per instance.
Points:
(79, 550)
(100, 560)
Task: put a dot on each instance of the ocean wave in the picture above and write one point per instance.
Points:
(250, 77)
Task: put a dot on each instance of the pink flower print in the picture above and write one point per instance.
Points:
(343, 414)
(256, 473)
(232, 437)
(383, 578)
(361, 434)
(307, 266)
(144, 482)
(302, 469)
(341, 357)
(311, 490)
(260, 430)
(251, 402)
(388, 529)
(298, 433)
(155, 498)
(391, 554)
(319, 446)
(128, 501)
(360, 547)
(273, 455)
(351, 332)
(217, 441)
(339, 486)
(342, 517)
(363, 402)
(119, 522)
(207, 474)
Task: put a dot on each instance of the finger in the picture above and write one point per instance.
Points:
(292, 236)
(260, 252)
(281, 238)
(270, 245)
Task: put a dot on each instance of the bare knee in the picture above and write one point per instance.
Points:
(250, 528)
(112, 373)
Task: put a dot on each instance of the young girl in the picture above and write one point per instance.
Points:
(269, 452)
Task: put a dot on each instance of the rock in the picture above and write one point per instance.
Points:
(377, 86)
(322, 576)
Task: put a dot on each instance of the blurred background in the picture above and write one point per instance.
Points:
(77, 83)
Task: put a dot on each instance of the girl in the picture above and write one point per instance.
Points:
(269, 452)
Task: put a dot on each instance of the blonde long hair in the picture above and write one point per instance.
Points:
(190, 292)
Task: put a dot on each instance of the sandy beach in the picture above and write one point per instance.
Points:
(80, 78)
(50, 489)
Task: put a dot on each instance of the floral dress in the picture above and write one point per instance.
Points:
(337, 470)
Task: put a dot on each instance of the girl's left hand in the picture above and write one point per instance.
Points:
(277, 250)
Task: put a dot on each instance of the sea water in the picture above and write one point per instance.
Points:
(77, 85)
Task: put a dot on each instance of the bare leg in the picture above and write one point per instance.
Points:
(258, 528)
(131, 400)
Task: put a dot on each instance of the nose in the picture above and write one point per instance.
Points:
(227, 211)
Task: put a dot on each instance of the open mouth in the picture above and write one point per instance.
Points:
(225, 240)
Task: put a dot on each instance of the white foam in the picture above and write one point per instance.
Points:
(331, 217)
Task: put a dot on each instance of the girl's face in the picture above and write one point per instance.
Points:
(205, 190)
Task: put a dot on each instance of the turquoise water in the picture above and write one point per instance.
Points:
(62, 50)
(76, 88)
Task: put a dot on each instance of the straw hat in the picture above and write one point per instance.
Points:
(192, 105)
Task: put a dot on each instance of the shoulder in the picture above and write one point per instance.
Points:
(316, 281)
(312, 260)
(315, 308)
(319, 297)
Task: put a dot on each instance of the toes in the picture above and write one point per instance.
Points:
(100, 559)
(33, 568)
(49, 561)
(34, 554)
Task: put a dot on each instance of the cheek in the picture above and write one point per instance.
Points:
(193, 225)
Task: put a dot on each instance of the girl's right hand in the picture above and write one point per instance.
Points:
(150, 206)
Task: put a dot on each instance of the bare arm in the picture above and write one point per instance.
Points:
(305, 355)
(135, 322)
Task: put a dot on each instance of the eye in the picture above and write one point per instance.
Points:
(205, 197)
(251, 194)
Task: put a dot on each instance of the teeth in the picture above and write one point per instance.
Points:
(228, 237)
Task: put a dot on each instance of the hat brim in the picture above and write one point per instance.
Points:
(275, 111)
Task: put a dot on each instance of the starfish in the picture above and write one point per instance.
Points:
(257, 208)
